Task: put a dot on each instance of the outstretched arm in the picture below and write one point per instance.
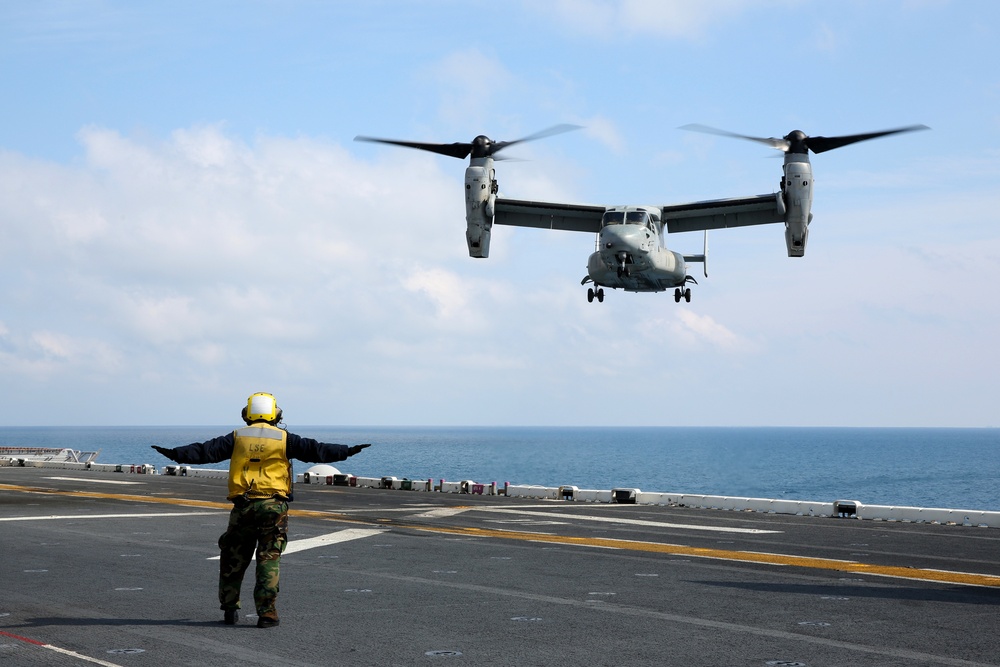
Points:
(210, 451)
(314, 451)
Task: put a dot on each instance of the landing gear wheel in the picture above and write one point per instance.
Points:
(677, 295)
(590, 295)
(600, 295)
(687, 295)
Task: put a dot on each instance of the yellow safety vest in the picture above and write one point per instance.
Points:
(259, 467)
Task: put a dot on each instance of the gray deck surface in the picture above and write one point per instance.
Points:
(121, 574)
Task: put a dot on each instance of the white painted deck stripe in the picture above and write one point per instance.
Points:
(95, 481)
(441, 513)
(73, 654)
(631, 522)
(80, 656)
(346, 535)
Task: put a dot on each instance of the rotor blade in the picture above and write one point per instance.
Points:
(459, 150)
(548, 132)
(780, 144)
(821, 144)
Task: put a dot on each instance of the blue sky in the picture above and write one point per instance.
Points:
(185, 218)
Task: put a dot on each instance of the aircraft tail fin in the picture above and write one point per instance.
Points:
(703, 258)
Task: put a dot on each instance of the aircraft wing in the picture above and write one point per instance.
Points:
(547, 215)
(721, 213)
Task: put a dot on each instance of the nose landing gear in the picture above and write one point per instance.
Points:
(591, 294)
(623, 262)
(685, 294)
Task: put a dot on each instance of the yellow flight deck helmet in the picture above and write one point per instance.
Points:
(261, 407)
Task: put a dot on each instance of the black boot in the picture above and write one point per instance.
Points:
(267, 620)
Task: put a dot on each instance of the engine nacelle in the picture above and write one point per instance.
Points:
(797, 193)
(796, 242)
(480, 200)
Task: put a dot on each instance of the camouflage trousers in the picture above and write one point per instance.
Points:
(254, 525)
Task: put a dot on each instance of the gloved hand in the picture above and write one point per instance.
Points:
(356, 449)
(169, 453)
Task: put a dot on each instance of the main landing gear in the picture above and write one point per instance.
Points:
(599, 294)
(685, 294)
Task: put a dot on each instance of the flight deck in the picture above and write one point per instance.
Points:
(111, 569)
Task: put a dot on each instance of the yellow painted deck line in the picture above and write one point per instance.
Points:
(75, 517)
(183, 502)
(940, 576)
(917, 574)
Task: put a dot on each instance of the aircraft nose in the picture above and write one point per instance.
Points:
(623, 236)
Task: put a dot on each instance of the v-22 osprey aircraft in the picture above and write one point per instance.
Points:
(631, 252)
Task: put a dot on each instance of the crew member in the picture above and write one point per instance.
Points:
(260, 487)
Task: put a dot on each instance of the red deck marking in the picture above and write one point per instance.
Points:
(73, 654)
(22, 639)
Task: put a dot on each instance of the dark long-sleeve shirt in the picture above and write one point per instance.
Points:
(296, 447)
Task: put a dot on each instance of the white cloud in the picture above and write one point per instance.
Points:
(79, 226)
(826, 39)
(470, 83)
(704, 328)
(605, 131)
(443, 288)
(203, 239)
(42, 355)
(53, 345)
(208, 147)
(689, 330)
(664, 18)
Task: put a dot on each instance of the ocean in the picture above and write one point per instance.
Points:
(923, 467)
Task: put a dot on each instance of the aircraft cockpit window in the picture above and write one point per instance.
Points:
(613, 218)
(639, 218)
